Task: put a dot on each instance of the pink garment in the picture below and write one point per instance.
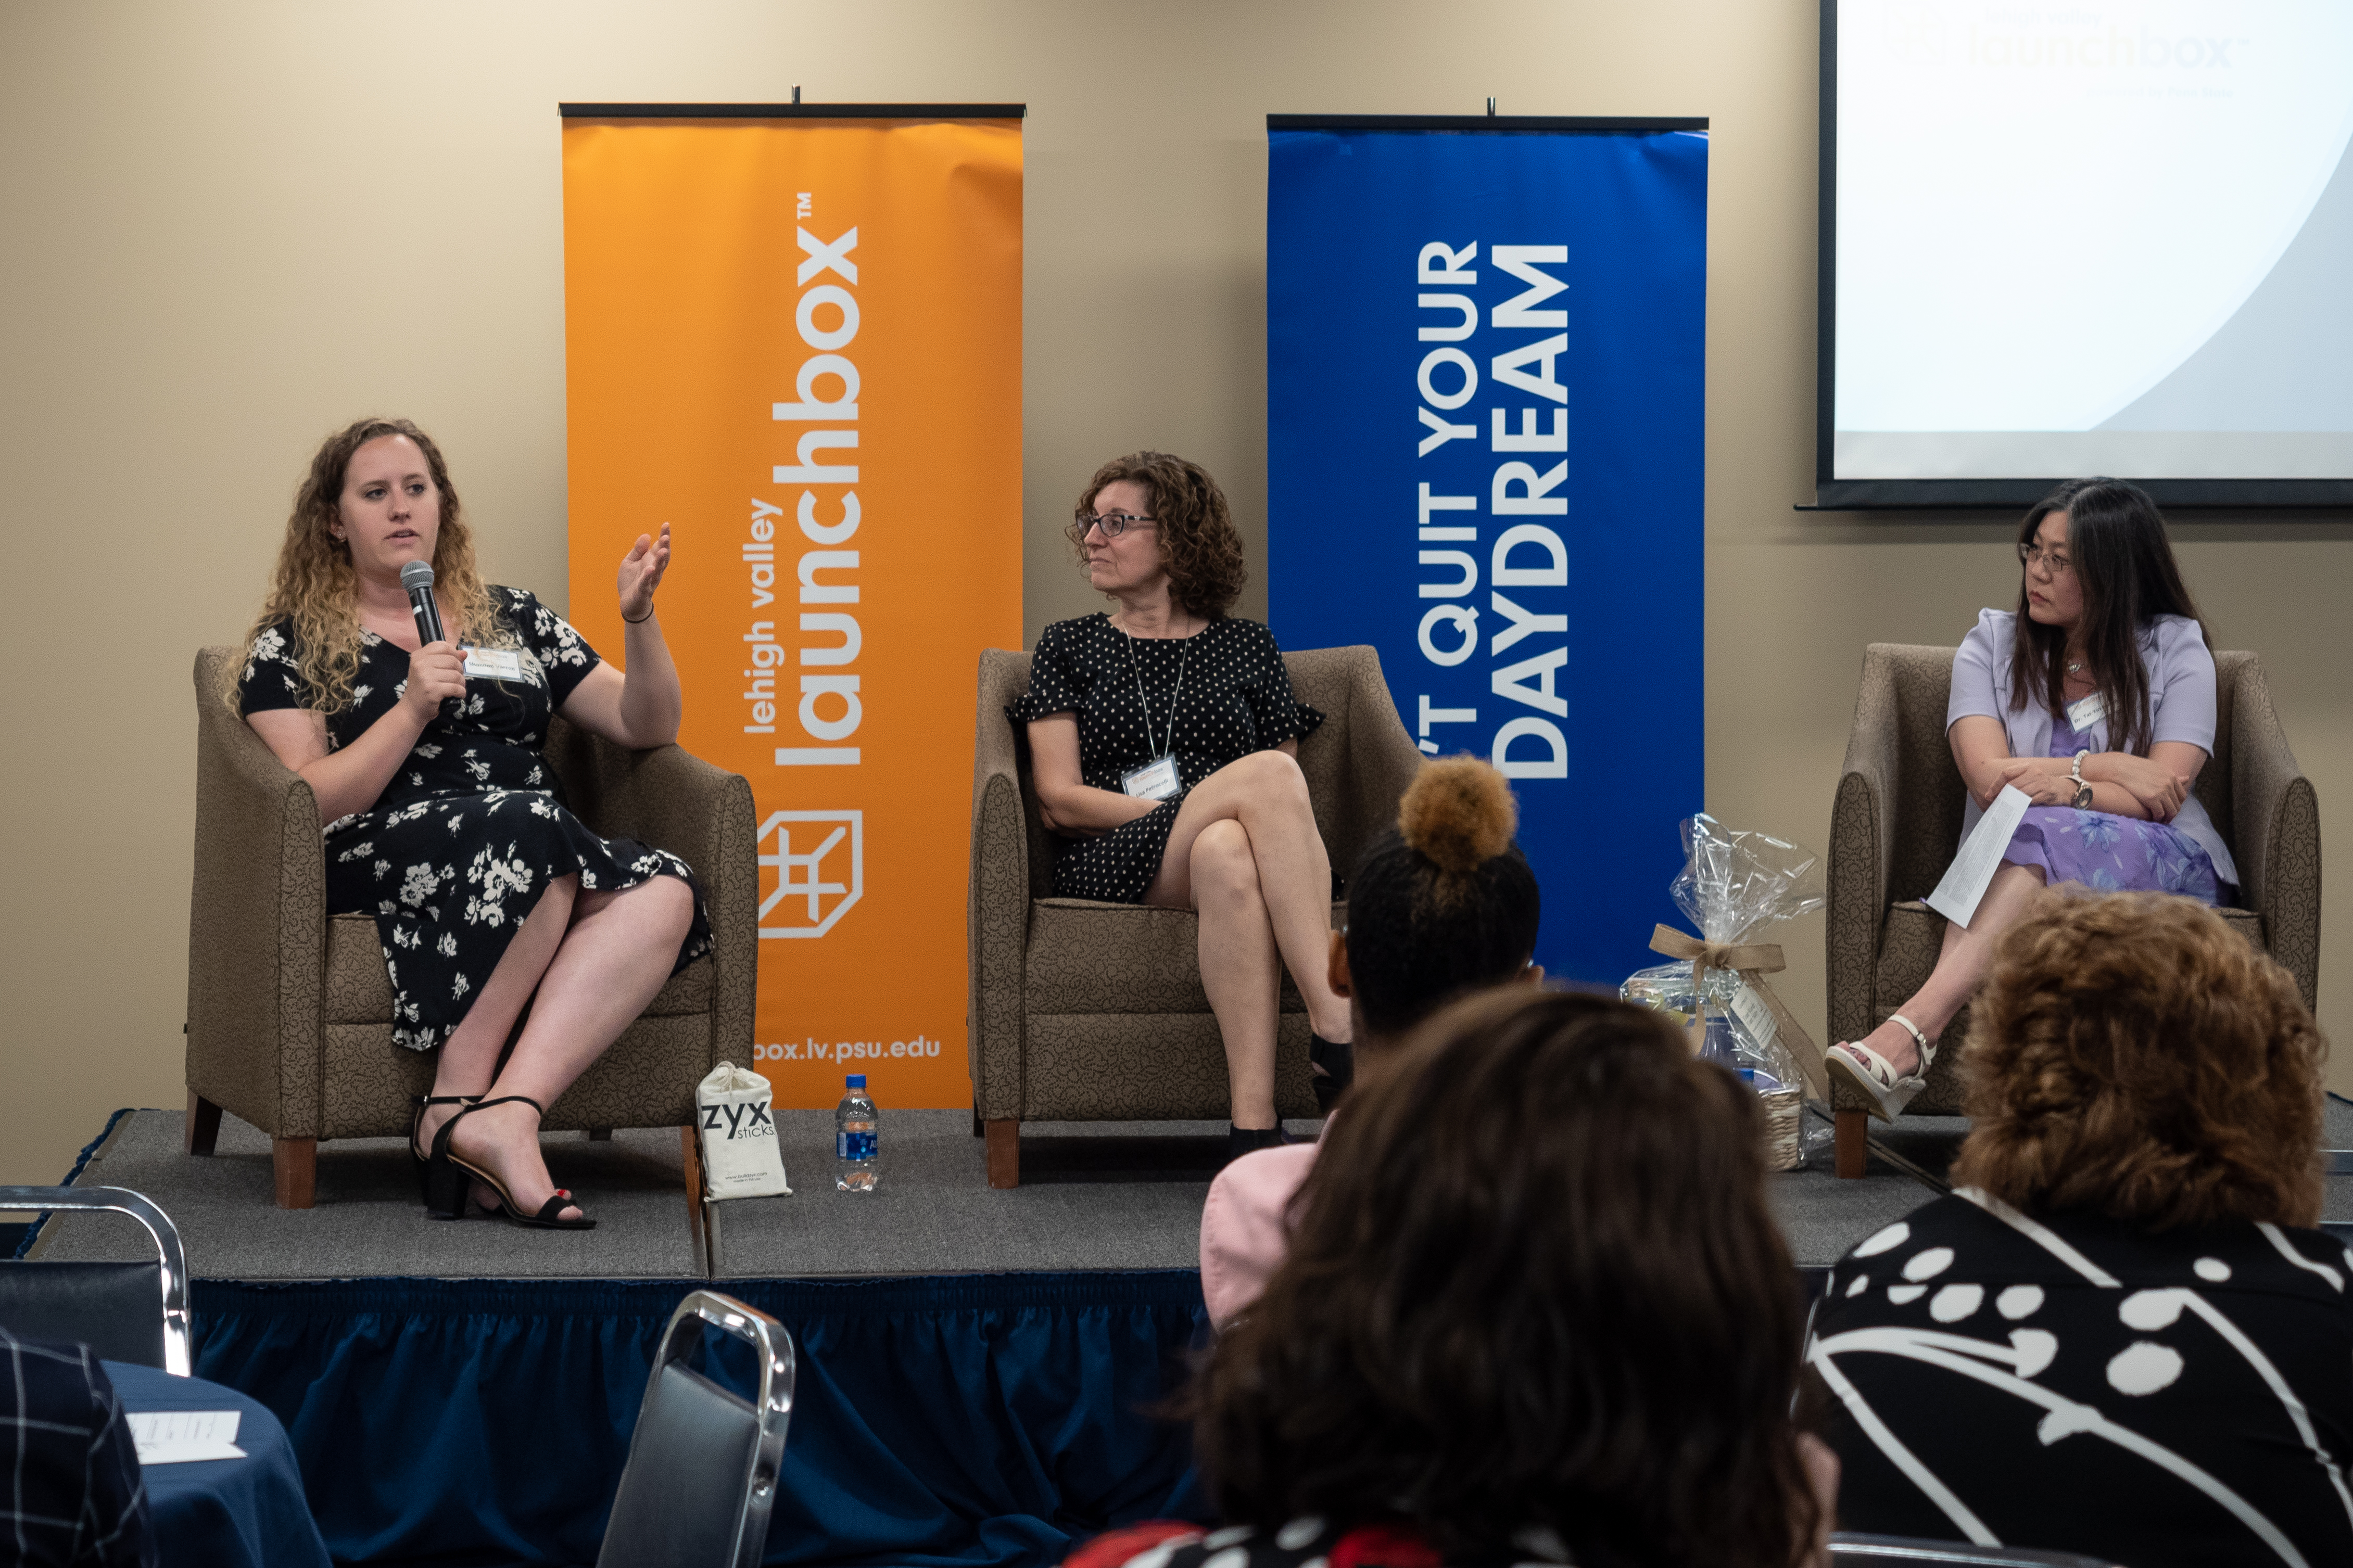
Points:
(1245, 1226)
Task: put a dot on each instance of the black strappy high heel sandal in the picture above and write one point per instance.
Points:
(417, 1125)
(447, 1176)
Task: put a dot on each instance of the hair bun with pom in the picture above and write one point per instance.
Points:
(1459, 812)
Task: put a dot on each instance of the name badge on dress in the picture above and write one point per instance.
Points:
(498, 663)
(1155, 780)
(2083, 715)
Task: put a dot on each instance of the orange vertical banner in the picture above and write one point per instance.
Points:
(795, 337)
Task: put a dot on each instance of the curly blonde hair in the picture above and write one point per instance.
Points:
(1198, 538)
(311, 586)
(2133, 1056)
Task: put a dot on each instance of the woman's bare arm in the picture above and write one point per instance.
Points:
(351, 779)
(2151, 788)
(2157, 784)
(1980, 746)
(1070, 806)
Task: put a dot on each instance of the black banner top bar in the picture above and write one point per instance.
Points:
(1504, 123)
(793, 110)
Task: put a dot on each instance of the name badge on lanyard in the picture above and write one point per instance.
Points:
(1158, 779)
(2083, 715)
(498, 663)
(1155, 780)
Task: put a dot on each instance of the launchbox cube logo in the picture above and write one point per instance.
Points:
(818, 860)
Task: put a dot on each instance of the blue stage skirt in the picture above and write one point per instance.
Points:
(962, 1420)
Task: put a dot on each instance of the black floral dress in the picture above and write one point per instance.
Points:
(1212, 698)
(455, 853)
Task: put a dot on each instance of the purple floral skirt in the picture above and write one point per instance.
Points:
(2111, 854)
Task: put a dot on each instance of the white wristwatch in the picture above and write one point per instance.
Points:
(2083, 790)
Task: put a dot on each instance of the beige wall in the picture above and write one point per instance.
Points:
(225, 229)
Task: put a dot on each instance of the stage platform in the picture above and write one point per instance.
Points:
(1107, 1196)
(984, 1376)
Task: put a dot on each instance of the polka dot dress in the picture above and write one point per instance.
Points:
(1222, 693)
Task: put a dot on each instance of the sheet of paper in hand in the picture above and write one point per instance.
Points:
(179, 1437)
(1956, 896)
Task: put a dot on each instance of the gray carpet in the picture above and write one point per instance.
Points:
(1094, 1196)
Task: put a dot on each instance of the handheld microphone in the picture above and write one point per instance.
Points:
(418, 578)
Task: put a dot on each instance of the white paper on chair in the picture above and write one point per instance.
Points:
(1965, 882)
(179, 1437)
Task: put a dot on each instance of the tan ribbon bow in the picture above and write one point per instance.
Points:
(1752, 962)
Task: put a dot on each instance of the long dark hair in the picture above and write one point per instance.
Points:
(1534, 1283)
(1442, 903)
(2123, 562)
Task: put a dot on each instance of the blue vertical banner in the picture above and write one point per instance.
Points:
(1485, 354)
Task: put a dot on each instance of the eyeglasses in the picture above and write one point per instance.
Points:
(2050, 561)
(1113, 523)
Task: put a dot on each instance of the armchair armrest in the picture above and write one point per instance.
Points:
(1382, 757)
(673, 800)
(257, 923)
(2277, 834)
(1861, 850)
(996, 910)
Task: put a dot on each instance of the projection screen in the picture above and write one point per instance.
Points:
(2069, 239)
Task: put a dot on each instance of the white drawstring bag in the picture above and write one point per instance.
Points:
(735, 1121)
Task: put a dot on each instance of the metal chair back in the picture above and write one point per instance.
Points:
(1848, 1551)
(108, 1305)
(701, 1473)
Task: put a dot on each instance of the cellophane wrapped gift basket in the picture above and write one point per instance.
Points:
(1734, 885)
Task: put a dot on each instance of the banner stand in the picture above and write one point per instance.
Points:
(1485, 457)
(785, 327)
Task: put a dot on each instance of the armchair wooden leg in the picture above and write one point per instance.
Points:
(1004, 1153)
(203, 1127)
(294, 1162)
(1854, 1143)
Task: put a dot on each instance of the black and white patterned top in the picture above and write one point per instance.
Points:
(453, 856)
(2072, 1384)
(70, 1490)
(1214, 696)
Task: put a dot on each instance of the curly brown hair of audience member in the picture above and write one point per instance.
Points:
(1197, 537)
(2132, 1056)
(1534, 1283)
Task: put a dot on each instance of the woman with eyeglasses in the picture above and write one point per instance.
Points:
(1163, 742)
(2095, 699)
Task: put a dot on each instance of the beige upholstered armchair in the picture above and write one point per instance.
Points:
(1897, 822)
(1093, 1012)
(289, 1009)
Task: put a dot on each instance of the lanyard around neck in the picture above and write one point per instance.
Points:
(1132, 669)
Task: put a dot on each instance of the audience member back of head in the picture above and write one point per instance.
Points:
(1536, 1308)
(2114, 1338)
(1441, 905)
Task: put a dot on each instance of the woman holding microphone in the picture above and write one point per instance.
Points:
(440, 811)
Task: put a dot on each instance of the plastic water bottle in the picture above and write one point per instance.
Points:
(855, 1122)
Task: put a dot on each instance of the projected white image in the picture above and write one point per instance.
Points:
(2110, 237)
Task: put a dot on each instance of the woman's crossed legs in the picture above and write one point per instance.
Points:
(1967, 955)
(595, 960)
(1245, 854)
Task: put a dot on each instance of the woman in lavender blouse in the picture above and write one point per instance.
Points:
(2095, 698)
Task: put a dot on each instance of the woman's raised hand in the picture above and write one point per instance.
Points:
(641, 574)
(435, 672)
